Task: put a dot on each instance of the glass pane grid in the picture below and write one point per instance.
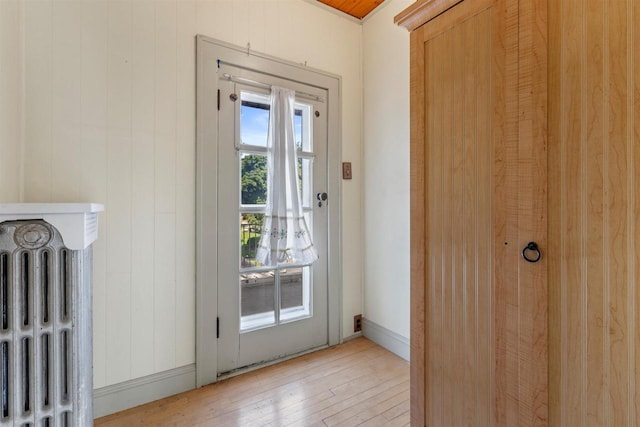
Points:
(259, 291)
(270, 296)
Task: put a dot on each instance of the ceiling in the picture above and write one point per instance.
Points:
(356, 8)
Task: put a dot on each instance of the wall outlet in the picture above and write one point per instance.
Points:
(357, 323)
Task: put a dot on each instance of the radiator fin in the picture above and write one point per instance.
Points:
(26, 375)
(45, 269)
(24, 281)
(46, 371)
(4, 290)
(5, 380)
(64, 281)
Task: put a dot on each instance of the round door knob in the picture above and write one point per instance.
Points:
(321, 198)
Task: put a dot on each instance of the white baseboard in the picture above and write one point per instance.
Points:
(382, 336)
(118, 397)
(351, 337)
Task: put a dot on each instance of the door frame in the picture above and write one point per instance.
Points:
(209, 52)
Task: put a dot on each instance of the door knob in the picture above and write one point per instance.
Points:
(322, 197)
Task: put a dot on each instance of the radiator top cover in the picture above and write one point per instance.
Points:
(76, 222)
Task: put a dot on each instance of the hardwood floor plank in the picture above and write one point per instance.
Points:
(338, 404)
(356, 383)
(369, 409)
(400, 419)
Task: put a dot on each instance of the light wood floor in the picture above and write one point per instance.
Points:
(356, 383)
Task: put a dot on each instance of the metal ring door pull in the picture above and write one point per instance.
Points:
(531, 247)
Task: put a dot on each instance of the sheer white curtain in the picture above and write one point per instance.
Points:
(285, 235)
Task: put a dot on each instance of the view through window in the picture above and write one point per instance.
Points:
(263, 288)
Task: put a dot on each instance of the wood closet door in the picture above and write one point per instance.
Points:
(594, 213)
(479, 325)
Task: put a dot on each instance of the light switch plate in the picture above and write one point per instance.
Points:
(346, 170)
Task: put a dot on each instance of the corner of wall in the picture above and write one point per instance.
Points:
(382, 336)
(385, 150)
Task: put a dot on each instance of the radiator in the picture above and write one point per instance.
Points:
(45, 328)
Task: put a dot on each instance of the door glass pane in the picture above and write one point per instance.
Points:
(295, 284)
(257, 299)
(250, 232)
(253, 179)
(304, 181)
(297, 127)
(254, 118)
(302, 127)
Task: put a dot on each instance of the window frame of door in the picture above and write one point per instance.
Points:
(209, 52)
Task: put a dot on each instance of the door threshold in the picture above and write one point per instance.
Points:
(256, 366)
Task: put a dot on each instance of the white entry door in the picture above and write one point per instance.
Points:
(266, 313)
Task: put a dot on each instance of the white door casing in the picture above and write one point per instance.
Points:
(212, 55)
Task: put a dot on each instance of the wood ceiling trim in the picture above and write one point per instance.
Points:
(356, 8)
(364, 8)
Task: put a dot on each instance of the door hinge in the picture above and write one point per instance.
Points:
(218, 99)
(217, 327)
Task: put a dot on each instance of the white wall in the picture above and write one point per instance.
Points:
(386, 178)
(10, 100)
(109, 117)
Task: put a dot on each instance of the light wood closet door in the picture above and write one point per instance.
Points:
(594, 213)
(479, 331)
